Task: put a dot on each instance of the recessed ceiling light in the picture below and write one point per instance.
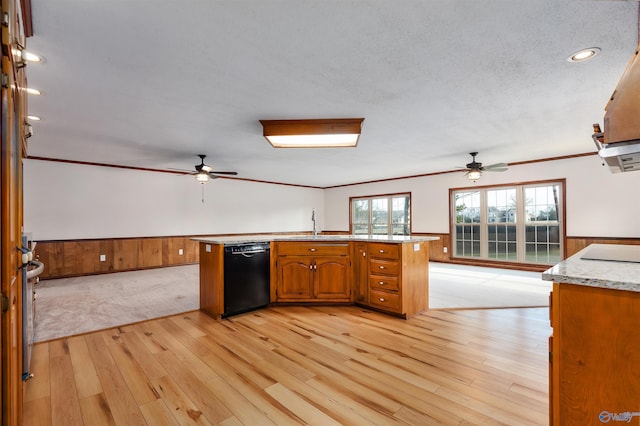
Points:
(33, 118)
(32, 91)
(584, 54)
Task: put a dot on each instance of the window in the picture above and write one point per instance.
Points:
(514, 223)
(381, 215)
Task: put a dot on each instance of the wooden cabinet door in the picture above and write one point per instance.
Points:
(360, 273)
(596, 354)
(295, 275)
(331, 277)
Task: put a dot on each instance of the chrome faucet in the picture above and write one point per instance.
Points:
(313, 219)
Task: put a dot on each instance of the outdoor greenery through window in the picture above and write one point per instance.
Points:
(518, 223)
(381, 215)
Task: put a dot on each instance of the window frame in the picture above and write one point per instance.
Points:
(388, 197)
(520, 225)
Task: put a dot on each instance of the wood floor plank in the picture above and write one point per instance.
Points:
(96, 411)
(65, 407)
(131, 371)
(182, 408)
(85, 374)
(292, 365)
(39, 386)
(242, 378)
(122, 403)
(194, 387)
(141, 353)
(165, 332)
(156, 413)
(37, 412)
(300, 406)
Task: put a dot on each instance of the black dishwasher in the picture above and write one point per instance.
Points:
(246, 277)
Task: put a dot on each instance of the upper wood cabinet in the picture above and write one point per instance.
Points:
(622, 117)
(312, 272)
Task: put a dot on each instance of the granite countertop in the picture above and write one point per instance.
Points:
(611, 274)
(241, 239)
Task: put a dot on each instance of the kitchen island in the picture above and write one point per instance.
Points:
(386, 273)
(594, 352)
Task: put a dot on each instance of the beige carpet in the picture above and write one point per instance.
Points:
(467, 287)
(70, 306)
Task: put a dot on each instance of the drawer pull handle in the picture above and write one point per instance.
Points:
(381, 251)
(312, 249)
(381, 282)
(382, 300)
(382, 267)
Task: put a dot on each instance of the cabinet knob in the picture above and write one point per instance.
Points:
(313, 249)
(382, 300)
(381, 282)
(381, 251)
(382, 267)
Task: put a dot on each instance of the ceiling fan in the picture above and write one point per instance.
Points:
(474, 169)
(204, 172)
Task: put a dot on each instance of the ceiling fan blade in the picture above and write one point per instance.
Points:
(496, 167)
(215, 172)
(180, 170)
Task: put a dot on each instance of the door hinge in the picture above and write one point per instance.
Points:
(5, 80)
(5, 19)
(5, 303)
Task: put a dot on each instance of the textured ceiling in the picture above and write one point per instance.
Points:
(152, 83)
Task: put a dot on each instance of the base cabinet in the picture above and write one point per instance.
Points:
(396, 276)
(313, 272)
(594, 356)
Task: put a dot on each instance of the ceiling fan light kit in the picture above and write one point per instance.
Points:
(474, 175)
(474, 169)
(314, 133)
(204, 173)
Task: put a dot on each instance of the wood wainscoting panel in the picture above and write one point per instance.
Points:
(126, 253)
(171, 247)
(82, 257)
(575, 244)
(150, 254)
(436, 247)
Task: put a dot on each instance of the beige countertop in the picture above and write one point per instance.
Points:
(580, 269)
(241, 239)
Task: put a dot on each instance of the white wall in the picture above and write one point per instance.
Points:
(69, 201)
(72, 201)
(598, 203)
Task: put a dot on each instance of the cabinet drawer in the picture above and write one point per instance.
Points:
(386, 251)
(381, 282)
(312, 249)
(384, 300)
(386, 267)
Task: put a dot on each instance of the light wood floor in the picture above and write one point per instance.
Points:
(299, 365)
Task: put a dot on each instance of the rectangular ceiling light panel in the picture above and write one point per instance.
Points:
(317, 133)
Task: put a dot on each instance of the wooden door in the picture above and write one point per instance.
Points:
(331, 277)
(10, 240)
(294, 277)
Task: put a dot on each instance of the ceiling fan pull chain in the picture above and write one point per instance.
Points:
(202, 193)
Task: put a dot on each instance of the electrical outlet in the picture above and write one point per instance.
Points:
(103, 258)
(445, 249)
(180, 252)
